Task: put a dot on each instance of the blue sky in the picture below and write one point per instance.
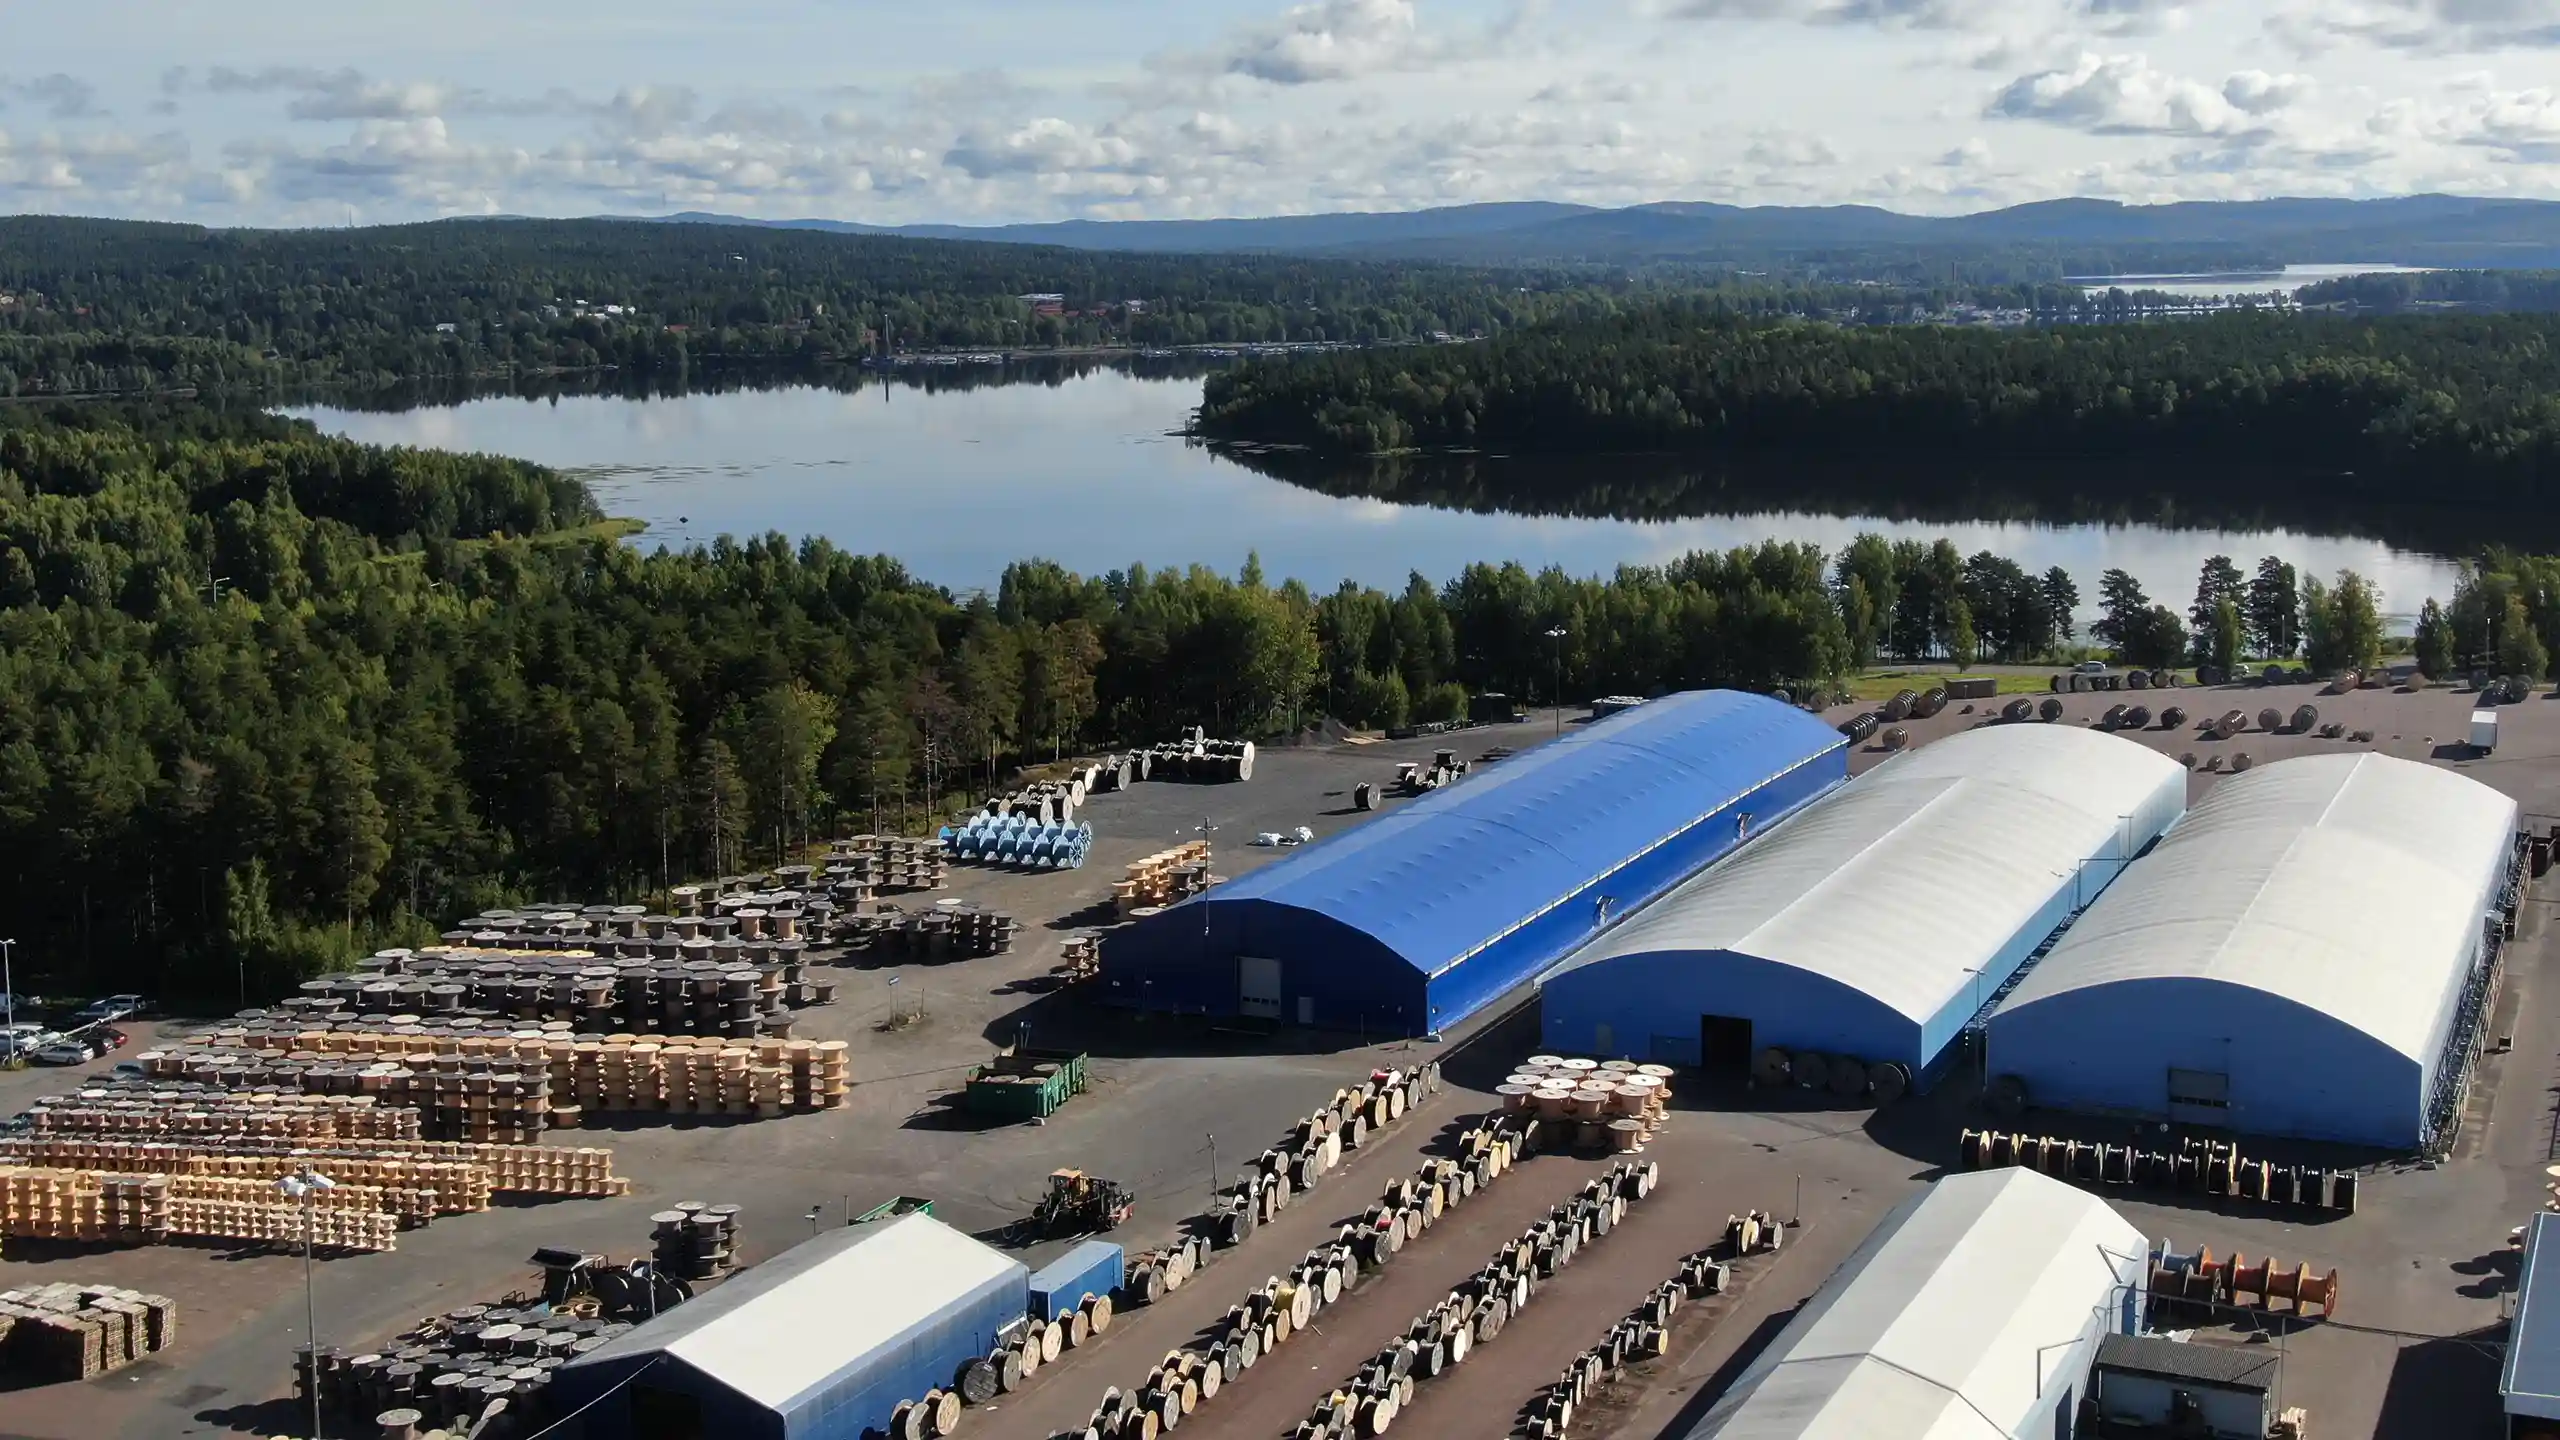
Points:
(299, 112)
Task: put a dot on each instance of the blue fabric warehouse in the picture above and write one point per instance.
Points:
(1413, 922)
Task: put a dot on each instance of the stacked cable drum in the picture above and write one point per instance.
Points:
(1474, 1313)
(694, 1241)
(1167, 877)
(858, 867)
(946, 930)
(1019, 842)
(1600, 1104)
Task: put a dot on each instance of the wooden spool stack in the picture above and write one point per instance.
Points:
(884, 862)
(1164, 877)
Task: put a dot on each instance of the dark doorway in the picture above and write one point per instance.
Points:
(664, 1414)
(1724, 1043)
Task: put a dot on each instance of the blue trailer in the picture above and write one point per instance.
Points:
(1094, 1267)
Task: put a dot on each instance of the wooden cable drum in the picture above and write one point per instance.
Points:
(1097, 1313)
(1014, 1366)
(906, 1421)
(943, 1415)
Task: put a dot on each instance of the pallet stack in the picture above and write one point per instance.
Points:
(206, 1113)
(1164, 878)
(415, 1190)
(108, 1207)
(64, 1331)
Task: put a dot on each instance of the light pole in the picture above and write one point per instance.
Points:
(1557, 635)
(305, 1185)
(9, 997)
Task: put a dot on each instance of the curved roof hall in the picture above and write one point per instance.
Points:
(1903, 882)
(2350, 885)
(1950, 1321)
(1442, 878)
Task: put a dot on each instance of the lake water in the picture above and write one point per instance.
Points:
(1086, 471)
(2256, 282)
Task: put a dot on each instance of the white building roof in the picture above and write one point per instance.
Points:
(2352, 885)
(781, 1328)
(1905, 880)
(1954, 1320)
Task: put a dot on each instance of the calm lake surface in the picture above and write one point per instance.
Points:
(1084, 470)
(2253, 282)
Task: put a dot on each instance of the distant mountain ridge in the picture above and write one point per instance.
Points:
(2443, 230)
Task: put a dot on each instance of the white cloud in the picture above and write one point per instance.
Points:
(2125, 95)
(62, 97)
(2443, 26)
(1148, 109)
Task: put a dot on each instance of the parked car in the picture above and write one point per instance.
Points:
(2091, 667)
(113, 1007)
(65, 1052)
(23, 1038)
(108, 1037)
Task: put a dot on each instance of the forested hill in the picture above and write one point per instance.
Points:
(114, 305)
(2472, 398)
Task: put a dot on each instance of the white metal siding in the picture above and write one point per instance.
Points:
(1901, 883)
(1966, 1315)
(799, 1333)
(2351, 885)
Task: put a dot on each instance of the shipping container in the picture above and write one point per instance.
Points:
(1094, 1267)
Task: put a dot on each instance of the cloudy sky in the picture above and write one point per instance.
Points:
(321, 112)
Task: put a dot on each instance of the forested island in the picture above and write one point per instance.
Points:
(2466, 400)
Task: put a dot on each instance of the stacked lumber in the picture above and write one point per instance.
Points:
(413, 1189)
(64, 1331)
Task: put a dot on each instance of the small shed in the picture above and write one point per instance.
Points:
(820, 1342)
(2218, 1392)
(2529, 1382)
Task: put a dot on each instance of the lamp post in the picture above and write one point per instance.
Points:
(305, 1185)
(9, 997)
(1557, 635)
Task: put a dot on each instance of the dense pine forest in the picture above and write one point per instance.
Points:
(266, 696)
(97, 305)
(2460, 398)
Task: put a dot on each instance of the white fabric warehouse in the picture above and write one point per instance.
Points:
(1875, 922)
(2300, 944)
(1972, 1313)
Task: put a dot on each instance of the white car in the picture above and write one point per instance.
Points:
(109, 1010)
(24, 1038)
(65, 1052)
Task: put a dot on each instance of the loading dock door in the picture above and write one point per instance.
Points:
(1258, 987)
(1724, 1042)
(2200, 1097)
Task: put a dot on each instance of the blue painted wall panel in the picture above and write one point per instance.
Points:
(1662, 993)
(861, 1394)
(1651, 1002)
(1414, 921)
(1095, 1267)
(2294, 1072)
